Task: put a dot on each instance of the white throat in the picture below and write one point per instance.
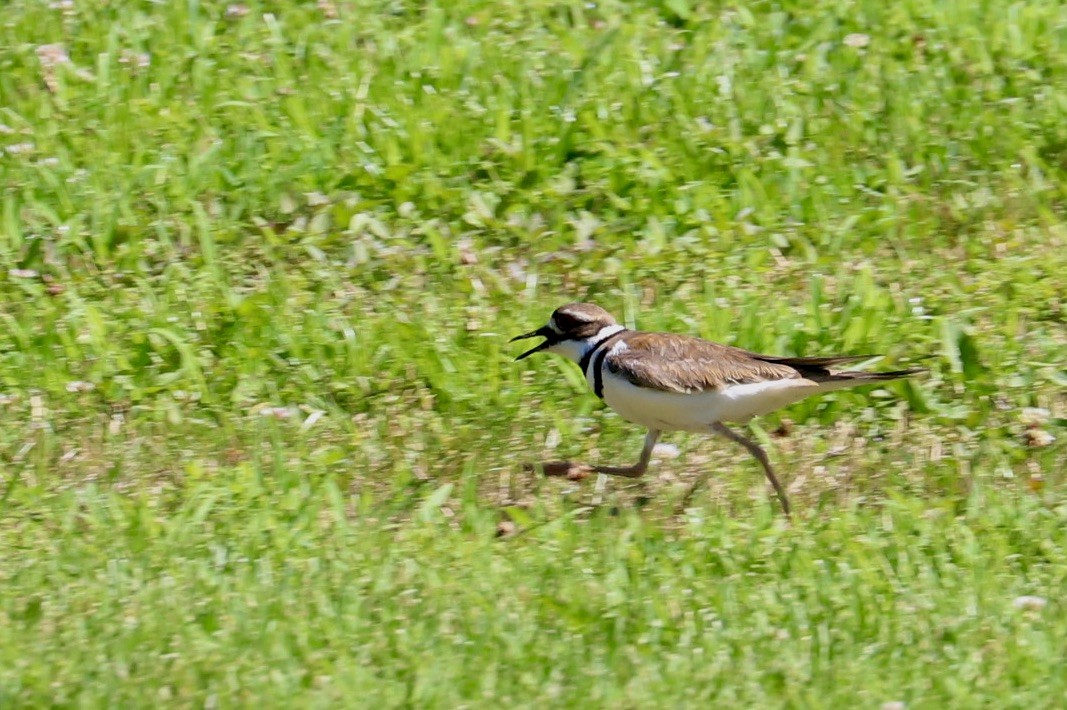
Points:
(576, 349)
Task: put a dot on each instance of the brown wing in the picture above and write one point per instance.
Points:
(680, 363)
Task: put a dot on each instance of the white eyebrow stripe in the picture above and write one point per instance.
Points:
(553, 326)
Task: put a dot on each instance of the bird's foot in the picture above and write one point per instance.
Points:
(563, 469)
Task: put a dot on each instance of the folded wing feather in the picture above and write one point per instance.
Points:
(680, 363)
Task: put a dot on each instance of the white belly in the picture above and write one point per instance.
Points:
(671, 411)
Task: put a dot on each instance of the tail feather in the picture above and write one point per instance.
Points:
(859, 378)
(807, 363)
(819, 369)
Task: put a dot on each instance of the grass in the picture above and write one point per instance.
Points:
(259, 264)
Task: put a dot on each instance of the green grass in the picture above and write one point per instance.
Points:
(259, 266)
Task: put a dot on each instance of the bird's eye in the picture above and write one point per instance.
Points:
(565, 321)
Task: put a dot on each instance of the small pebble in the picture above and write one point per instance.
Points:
(1030, 603)
(666, 451)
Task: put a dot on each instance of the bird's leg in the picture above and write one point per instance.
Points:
(761, 456)
(639, 468)
(576, 471)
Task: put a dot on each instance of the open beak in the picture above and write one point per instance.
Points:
(542, 332)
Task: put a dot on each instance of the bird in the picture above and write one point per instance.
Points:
(673, 382)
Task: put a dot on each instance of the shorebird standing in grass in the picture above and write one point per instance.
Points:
(670, 382)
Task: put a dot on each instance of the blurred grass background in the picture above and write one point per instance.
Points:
(259, 263)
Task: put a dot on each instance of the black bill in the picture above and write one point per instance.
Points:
(544, 332)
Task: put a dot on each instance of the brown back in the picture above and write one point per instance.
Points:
(681, 363)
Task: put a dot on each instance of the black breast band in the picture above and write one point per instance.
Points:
(599, 352)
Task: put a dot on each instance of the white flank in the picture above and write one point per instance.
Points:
(671, 411)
